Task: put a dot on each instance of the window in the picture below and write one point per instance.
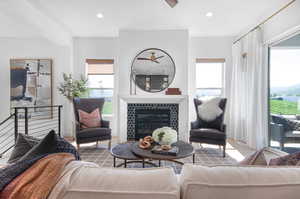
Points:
(209, 77)
(101, 81)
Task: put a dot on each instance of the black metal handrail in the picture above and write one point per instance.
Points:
(35, 120)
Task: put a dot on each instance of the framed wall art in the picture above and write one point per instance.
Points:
(31, 83)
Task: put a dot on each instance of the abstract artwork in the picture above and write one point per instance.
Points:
(31, 82)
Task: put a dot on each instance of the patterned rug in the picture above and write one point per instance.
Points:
(205, 156)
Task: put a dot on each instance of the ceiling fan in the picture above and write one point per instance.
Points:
(152, 58)
(172, 3)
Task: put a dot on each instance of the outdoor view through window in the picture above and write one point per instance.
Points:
(285, 95)
(209, 78)
(285, 81)
(101, 82)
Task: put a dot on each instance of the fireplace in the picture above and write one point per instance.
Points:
(143, 119)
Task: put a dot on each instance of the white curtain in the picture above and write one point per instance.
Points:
(248, 97)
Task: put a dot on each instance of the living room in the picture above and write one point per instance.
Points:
(114, 79)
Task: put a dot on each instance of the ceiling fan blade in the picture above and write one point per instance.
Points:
(141, 58)
(172, 3)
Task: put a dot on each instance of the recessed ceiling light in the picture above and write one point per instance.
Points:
(100, 15)
(209, 14)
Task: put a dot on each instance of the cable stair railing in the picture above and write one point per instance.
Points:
(34, 121)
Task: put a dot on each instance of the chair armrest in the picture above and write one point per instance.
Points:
(78, 126)
(277, 131)
(195, 125)
(105, 123)
(223, 128)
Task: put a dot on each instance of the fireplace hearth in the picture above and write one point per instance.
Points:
(143, 119)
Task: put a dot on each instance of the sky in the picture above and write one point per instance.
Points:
(284, 67)
(209, 75)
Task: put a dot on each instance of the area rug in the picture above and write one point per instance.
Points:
(205, 156)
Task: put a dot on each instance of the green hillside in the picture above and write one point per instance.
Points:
(284, 107)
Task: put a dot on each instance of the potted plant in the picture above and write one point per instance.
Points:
(71, 88)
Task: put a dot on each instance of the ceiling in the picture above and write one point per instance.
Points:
(230, 18)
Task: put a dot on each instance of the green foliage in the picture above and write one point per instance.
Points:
(284, 107)
(107, 108)
(160, 136)
(71, 88)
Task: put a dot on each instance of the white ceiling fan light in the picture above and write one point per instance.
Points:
(172, 3)
(100, 15)
(209, 14)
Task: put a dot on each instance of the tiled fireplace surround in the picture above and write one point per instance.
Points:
(178, 106)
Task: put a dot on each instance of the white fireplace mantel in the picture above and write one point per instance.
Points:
(154, 98)
(181, 100)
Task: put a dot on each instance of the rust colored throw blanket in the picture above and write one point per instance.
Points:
(37, 181)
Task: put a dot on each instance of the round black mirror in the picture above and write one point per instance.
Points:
(153, 70)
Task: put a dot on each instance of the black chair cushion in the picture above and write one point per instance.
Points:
(208, 133)
(278, 119)
(93, 132)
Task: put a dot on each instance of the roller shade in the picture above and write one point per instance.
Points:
(100, 67)
(210, 60)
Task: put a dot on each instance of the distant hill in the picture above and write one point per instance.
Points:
(291, 90)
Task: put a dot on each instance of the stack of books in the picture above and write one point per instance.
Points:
(158, 150)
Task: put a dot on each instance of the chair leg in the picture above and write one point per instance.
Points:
(281, 145)
(97, 144)
(109, 144)
(224, 151)
(78, 147)
(194, 158)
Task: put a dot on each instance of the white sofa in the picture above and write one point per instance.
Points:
(88, 181)
(199, 182)
(83, 180)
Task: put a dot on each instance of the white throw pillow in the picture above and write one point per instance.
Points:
(209, 110)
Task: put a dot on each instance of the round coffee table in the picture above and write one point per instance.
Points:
(185, 150)
(123, 151)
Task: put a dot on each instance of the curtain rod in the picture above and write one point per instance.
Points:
(267, 19)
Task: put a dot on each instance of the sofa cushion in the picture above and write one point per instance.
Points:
(208, 133)
(23, 144)
(46, 146)
(87, 180)
(239, 182)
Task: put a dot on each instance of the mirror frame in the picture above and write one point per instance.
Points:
(132, 78)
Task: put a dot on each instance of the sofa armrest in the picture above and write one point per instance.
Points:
(195, 125)
(105, 123)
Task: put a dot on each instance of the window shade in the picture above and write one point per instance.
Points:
(100, 67)
(210, 60)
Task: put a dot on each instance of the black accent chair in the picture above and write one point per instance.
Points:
(213, 132)
(284, 130)
(87, 135)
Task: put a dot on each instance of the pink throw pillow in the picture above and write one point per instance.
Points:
(90, 120)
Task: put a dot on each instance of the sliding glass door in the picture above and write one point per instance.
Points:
(284, 98)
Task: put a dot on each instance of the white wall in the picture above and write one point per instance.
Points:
(174, 42)
(93, 48)
(34, 48)
(208, 47)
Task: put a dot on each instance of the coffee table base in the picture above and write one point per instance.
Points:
(143, 162)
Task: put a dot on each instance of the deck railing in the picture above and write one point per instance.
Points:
(35, 121)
